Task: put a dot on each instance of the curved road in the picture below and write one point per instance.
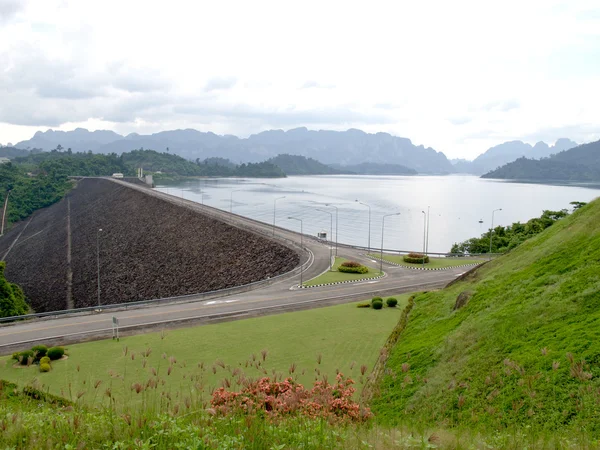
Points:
(280, 295)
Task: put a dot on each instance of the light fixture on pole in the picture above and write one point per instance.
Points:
(330, 234)
(274, 206)
(382, 228)
(369, 239)
(427, 245)
(4, 212)
(231, 199)
(301, 246)
(336, 226)
(492, 230)
(98, 260)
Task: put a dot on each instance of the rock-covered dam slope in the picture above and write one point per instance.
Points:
(148, 248)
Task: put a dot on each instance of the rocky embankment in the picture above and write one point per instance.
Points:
(149, 248)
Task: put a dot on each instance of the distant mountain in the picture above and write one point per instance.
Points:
(369, 168)
(79, 139)
(581, 163)
(12, 152)
(301, 165)
(510, 151)
(329, 147)
(462, 165)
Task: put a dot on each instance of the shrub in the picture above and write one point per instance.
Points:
(391, 302)
(55, 353)
(378, 304)
(376, 299)
(46, 397)
(351, 264)
(39, 351)
(363, 305)
(24, 357)
(416, 258)
(352, 269)
(16, 355)
(45, 360)
(44, 367)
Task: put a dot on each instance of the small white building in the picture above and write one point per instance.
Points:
(117, 175)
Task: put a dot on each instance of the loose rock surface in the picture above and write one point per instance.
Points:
(148, 248)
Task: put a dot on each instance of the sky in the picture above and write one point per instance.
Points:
(457, 76)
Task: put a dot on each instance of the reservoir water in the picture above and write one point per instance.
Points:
(460, 206)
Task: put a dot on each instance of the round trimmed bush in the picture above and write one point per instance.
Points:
(55, 353)
(416, 258)
(24, 357)
(45, 360)
(377, 304)
(352, 267)
(391, 302)
(45, 367)
(376, 299)
(39, 351)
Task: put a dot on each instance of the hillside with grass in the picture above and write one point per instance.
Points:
(513, 346)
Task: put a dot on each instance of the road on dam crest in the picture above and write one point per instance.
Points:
(278, 296)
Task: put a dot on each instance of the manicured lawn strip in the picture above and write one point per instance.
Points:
(434, 263)
(334, 276)
(341, 334)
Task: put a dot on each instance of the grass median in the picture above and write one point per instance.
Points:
(434, 263)
(334, 276)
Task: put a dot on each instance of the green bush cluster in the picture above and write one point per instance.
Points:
(416, 258)
(55, 353)
(39, 351)
(24, 358)
(44, 367)
(391, 302)
(45, 360)
(377, 304)
(352, 267)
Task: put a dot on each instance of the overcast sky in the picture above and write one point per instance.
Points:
(458, 76)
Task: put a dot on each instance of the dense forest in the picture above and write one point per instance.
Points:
(507, 238)
(581, 163)
(301, 165)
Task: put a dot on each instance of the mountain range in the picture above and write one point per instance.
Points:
(349, 147)
(502, 154)
(580, 163)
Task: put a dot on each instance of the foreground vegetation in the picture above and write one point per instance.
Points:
(513, 346)
(434, 263)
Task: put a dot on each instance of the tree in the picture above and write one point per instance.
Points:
(12, 298)
(577, 205)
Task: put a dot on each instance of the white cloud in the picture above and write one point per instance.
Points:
(457, 76)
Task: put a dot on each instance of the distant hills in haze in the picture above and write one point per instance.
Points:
(581, 163)
(349, 147)
(502, 154)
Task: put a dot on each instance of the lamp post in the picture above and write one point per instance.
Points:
(274, 206)
(369, 240)
(330, 234)
(301, 247)
(382, 228)
(427, 245)
(424, 234)
(231, 199)
(98, 260)
(336, 226)
(492, 230)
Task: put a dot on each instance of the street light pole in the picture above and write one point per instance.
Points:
(336, 226)
(330, 234)
(369, 240)
(98, 260)
(231, 199)
(382, 228)
(492, 230)
(301, 247)
(274, 206)
(424, 234)
(427, 246)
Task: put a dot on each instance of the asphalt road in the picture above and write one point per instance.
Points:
(281, 295)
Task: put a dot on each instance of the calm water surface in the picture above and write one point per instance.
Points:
(456, 204)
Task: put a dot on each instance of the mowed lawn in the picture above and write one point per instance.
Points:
(334, 276)
(342, 337)
(434, 263)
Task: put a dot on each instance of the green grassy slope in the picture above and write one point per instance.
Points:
(525, 351)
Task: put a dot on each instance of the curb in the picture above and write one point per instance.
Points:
(341, 282)
(425, 268)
